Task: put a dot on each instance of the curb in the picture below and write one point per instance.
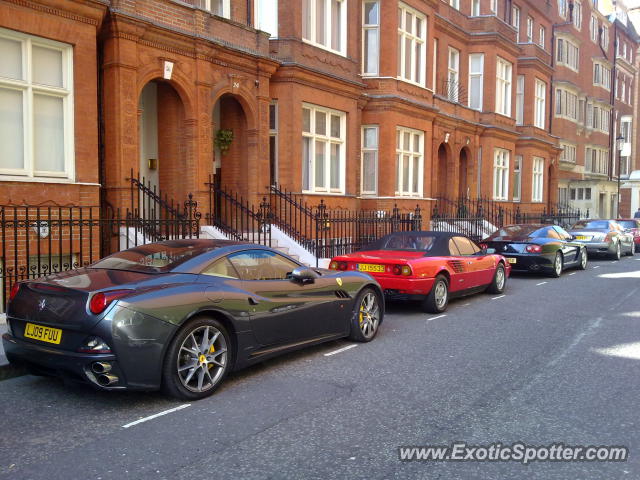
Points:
(8, 371)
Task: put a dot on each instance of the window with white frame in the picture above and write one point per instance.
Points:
(476, 80)
(600, 120)
(475, 8)
(577, 14)
(540, 104)
(323, 149)
(567, 54)
(412, 35)
(370, 37)
(604, 39)
(503, 87)
(515, 20)
(36, 107)
(369, 184)
(529, 29)
(520, 100)
(566, 104)
(500, 174)
(593, 28)
(324, 24)
(625, 154)
(453, 75)
(601, 75)
(493, 6)
(541, 37)
(517, 177)
(596, 160)
(537, 190)
(266, 15)
(569, 152)
(455, 4)
(562, 8)
(409, 161)
(221, 8)
(273, 142)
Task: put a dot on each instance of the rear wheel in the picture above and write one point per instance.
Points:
(438, 298)
(366, 317)
(558, 265)
(582, 263)
(632, 250)
(499, 280)
(197, 360)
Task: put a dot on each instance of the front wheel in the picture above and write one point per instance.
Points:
(366, 317)
(438, 298)
(558, 265)
(617, 253)
(197, 360)
(582, 264)
(499, 280)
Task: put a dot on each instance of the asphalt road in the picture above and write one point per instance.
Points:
(554, 360)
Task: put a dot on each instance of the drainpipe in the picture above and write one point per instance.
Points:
(612, 98)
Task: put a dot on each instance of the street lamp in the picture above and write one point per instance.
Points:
(619, 147)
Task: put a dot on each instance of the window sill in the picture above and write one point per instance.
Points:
(325, 48)
(62, 181)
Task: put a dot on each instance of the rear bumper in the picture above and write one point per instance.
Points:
(529, 262)
(405, 286)
(599, 248)
(61, 363)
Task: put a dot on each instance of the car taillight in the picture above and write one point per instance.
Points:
(534, 248)
(333, 266)
(101, 300)
(342, 265)
(404, 270)
(14, 291)
(484, 246)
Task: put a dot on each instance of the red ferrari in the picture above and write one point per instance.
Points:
(429, 266)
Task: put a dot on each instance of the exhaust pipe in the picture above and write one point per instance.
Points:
(101, 367)
(107, 379)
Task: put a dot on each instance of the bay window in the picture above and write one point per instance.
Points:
(520, 100)
(324, 24)
(501, 174)
(412, 52)
(503, 87)
(36, 107)
(323, 149)
(369, 160)
(453, 75)
(370, 37)
(540, 104)
(476, 80)
(537, 188)
(409, 162)
(517, 178)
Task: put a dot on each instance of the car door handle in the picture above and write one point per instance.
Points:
(253, 301)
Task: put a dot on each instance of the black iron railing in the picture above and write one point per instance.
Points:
(454, 91)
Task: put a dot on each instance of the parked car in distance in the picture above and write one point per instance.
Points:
(603, 237)
(179, 315)
(632, 226)
(538, 248)
(428, 266)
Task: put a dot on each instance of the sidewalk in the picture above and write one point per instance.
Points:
(6, 370)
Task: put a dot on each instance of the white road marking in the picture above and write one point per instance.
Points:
(572, 273)
(151, 417)
(597, 266)
(467, 304)
(637, 259)
(541, 283)
(340, 350)
(496, 298)
(435, 318)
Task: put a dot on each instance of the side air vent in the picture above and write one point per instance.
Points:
(342, 294)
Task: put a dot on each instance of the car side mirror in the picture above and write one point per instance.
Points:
(303, 275)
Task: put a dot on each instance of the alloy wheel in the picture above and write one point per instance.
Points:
(558, 265)
(369, 315)
(441, 294)
(500, 278)
(618, 251)
(202, 359)
(583, 259)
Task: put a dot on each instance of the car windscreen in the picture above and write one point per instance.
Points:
(627, 223)
(151, 258)
(591, 224)
(413, 242)
(514, 233)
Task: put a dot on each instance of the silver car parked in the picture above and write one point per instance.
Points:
(603, 237)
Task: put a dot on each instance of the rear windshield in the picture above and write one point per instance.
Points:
(151, 258)
(418, 243)
(627, 223)
(591, 224)
(518, 232)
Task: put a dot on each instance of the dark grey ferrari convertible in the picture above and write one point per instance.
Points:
(179, 315)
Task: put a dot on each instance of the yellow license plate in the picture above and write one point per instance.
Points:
(44, 334)
(583, 237)
(368, 267)
(512, 260)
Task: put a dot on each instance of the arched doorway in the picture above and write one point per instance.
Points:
(463, 174)
(443, 177)
(162, 140)
(230, 161)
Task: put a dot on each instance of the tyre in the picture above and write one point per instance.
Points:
(499, 282)
(438, 298)
(617, 253)
(558, 266)
(583, 260)
(632, 250)
(366, 317)
(198, 360)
